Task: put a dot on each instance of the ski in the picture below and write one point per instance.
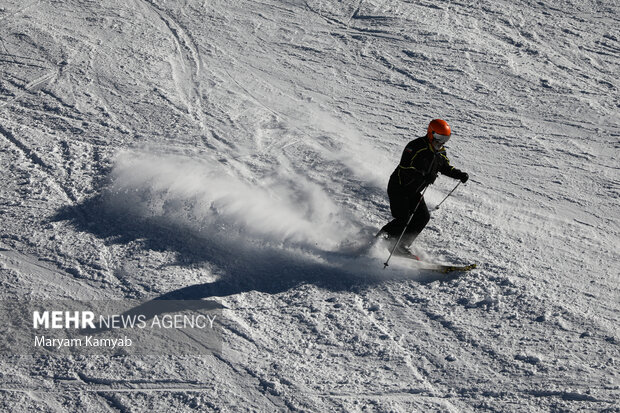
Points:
(448, 268)
(443, 268)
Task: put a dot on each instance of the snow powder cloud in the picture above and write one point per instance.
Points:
(208, 197)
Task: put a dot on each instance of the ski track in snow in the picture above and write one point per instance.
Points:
(238, 150)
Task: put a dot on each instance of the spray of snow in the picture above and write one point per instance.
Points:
(208, 197)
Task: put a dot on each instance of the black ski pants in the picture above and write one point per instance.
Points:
(402, 206)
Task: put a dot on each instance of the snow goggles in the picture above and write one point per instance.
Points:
(440, 139)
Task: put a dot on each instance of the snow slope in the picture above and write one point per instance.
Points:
(234, 150)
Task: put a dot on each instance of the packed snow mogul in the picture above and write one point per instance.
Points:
(422, 159)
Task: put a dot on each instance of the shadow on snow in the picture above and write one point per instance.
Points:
(246, 265)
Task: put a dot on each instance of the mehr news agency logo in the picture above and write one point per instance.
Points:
(88, 321)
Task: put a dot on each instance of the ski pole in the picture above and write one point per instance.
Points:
(385, 264)
(454, 189)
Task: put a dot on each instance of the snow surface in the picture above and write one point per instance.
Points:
(234, 150)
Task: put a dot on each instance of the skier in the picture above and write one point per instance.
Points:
(421, 160)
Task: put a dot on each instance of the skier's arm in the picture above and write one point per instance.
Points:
(451, 171)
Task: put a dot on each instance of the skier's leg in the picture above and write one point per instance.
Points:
(395, 227)
(417, 224)
(399, 207)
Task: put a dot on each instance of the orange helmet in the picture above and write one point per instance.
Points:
(438, 126)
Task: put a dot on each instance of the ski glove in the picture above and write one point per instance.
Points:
(464, 177)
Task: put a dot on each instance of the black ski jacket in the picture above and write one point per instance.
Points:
(419, 166)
